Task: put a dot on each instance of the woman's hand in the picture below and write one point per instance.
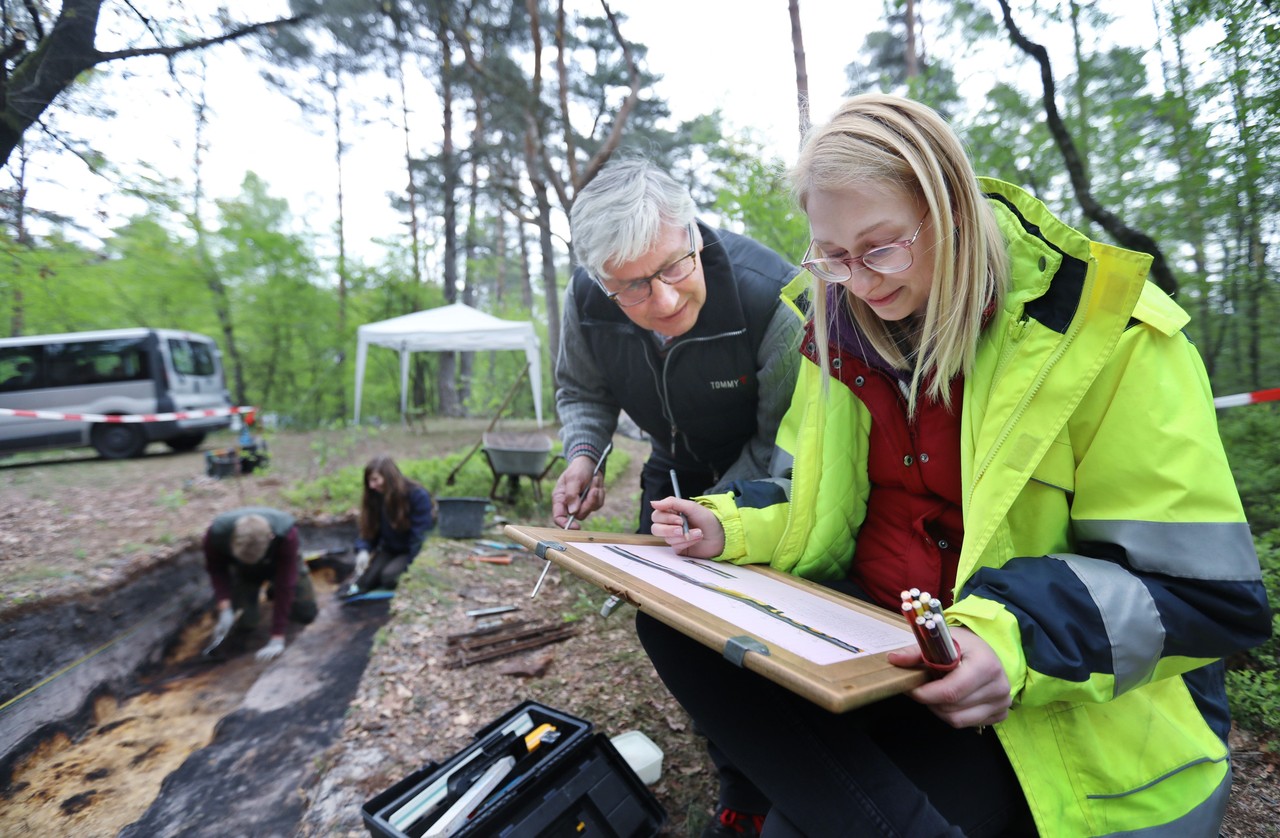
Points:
(705, 539)
(974, 694)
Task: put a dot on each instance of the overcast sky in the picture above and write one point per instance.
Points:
(732, 54)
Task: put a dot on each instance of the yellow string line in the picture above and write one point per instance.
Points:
(64, 670)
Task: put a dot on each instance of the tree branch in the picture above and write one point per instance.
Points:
(175, 49)
(611, 142)
(33, 11)
(70, 49)
(16, 46)
(1109, 221)
(562, 73)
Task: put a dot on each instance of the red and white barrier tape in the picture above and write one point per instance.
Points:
(1248, 398)
(1235, 400)
(134, 417)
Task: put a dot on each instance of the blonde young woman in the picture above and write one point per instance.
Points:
(993, 406)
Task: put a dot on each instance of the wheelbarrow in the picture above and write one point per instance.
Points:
(516, 455)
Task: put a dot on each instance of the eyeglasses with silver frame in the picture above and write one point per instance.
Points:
(886, 259)
(636, 291)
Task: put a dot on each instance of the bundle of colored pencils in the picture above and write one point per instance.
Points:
(924, 615)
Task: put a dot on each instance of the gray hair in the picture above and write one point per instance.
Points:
(619, 215)
(250, 538)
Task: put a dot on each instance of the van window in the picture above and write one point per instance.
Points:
(19, 367)
(192, 358)
(96, 362)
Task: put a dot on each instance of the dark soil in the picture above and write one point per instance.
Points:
(247, 781)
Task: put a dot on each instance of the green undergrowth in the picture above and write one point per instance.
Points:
(1252, 439)
(464, 473)
(1253, 679)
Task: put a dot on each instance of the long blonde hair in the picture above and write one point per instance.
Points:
(907, 147)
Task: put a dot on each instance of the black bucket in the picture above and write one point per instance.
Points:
(462, 517)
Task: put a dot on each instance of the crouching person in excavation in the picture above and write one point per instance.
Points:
(245, 548)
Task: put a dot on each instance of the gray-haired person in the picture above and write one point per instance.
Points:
(682, 326)
(245, 549)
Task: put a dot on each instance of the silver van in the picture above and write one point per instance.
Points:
(114, 372)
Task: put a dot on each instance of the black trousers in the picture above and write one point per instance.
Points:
(736, 791)
(383, 572)
(891, 768)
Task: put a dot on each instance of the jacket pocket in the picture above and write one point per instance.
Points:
(1144, 758)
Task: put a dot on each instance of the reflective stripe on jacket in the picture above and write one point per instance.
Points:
(1106, 558)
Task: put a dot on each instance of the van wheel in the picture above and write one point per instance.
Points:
(118, 442)
(186, 442)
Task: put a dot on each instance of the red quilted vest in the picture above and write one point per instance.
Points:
(914, 527)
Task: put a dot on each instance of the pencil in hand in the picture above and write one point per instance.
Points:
(675, 485)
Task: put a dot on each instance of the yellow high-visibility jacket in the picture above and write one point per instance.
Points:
(1106, 557)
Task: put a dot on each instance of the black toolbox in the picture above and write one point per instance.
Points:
(573, 784)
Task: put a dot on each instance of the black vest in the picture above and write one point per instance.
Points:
(697, 401)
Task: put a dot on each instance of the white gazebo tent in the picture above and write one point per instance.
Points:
(451, 328)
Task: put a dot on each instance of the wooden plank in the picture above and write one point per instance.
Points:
(463, 650)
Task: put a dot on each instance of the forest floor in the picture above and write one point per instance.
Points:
(73, 528)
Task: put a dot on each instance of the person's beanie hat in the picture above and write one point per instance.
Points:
(250, 539)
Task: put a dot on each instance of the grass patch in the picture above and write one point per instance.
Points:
(338, 492)
(39, 574)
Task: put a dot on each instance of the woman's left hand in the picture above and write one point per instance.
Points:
(974, 694)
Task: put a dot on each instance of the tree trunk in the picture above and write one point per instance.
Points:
(1252, 210)
(339, 378)
(802, 71)
(535, 164)
(46, 71)
(411, 192)
(1189, 149)
(217, 289)
(17, 314)
(469, 243)
(549, 284)
(526, 273)
(1080, 94)
(450, 405)
(500, 256)
(911, 61)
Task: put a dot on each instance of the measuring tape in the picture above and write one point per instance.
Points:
(1248, 398)
(130, 417)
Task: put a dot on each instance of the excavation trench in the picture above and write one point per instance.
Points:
(112, 722)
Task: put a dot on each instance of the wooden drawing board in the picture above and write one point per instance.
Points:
(714, 614)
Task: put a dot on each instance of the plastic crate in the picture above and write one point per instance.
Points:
(577, 785)
(243, 459)
(462, 517)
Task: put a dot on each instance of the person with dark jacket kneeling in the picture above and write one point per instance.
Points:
(395, 516)
(243, 549)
